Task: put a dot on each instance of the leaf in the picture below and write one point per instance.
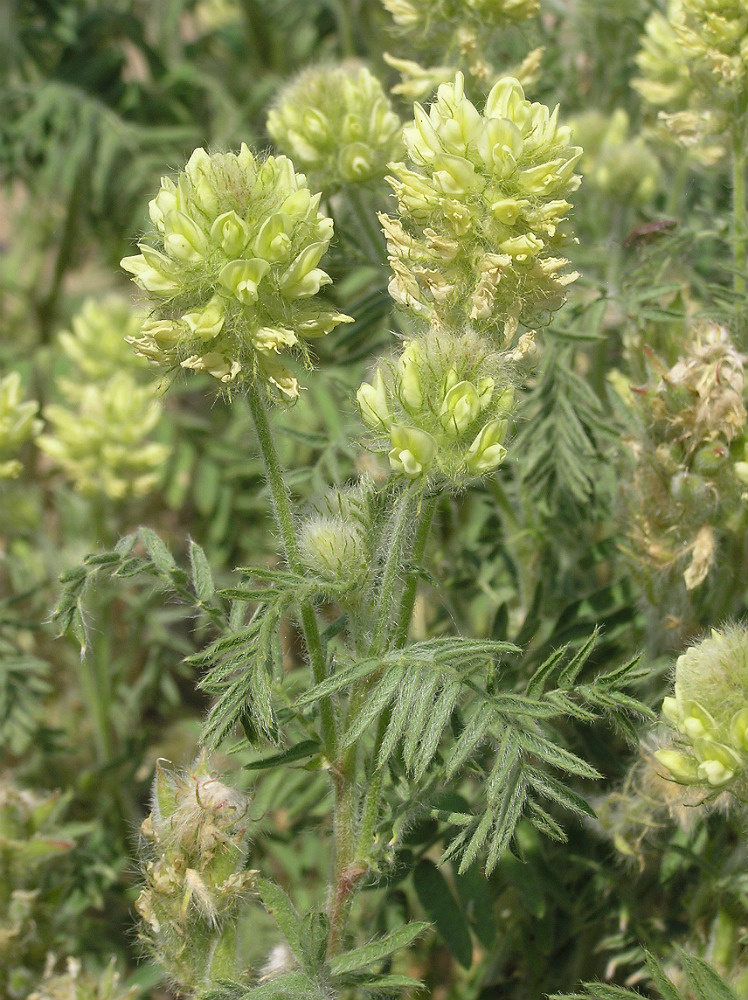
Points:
(704, 981)
(477, 903)
(157, 551)
(339, 680)
(377, 950)
(443, 910)
(202, 578)
(282, 910)
(303, 750)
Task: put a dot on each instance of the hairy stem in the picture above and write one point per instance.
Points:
(284, 520)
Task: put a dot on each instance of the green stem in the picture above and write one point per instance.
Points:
(345, 29)
(740, 217)
(364, 214)
(284, 520)
(370, 809)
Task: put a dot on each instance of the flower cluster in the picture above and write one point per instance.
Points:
(689, 474)
(195, 844)
(617, 164)
(234, 269)
(337, 124)
(709, 709)
(443, 407)
(100, 441)
(18, 424)
(666, 81)
(478, 239)
(694, 63)
(97, 342)
(100, 434)
(421, 15)
(75, 984)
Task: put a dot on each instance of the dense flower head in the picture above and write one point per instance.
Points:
(616, 163)
(97, 341)
(234, 269)
(100, 438)
(194, 847)
(666, 81)
(478, 239)
(18, 424)
(422, 15)
(709, 710)
(694, 63)
(689, 470)
(337, 125)
(442, 409)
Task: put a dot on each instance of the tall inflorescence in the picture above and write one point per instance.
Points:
(337, 125)
(690, 469)
(709, 713)
(694, 64)
(233, 268)
(100, 435)
(441, 411)
(479, 238)
(193, 851)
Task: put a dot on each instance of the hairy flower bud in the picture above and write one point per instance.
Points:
(194, 848)
(337, 124)
(481, 205)
(18, 424)
(335, 549)
(709, 709)
(443, 407)
(234, 270)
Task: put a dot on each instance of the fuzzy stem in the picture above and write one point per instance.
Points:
(284, 520)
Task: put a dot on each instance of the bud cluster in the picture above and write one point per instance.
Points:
(18, 424)
(334, 539)
(337, 124)
(443, 407)
(99, 437)
(616, 163)
(478, 239)
(195, 846)
(709, 710)
(689, 472)
(234, 269)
